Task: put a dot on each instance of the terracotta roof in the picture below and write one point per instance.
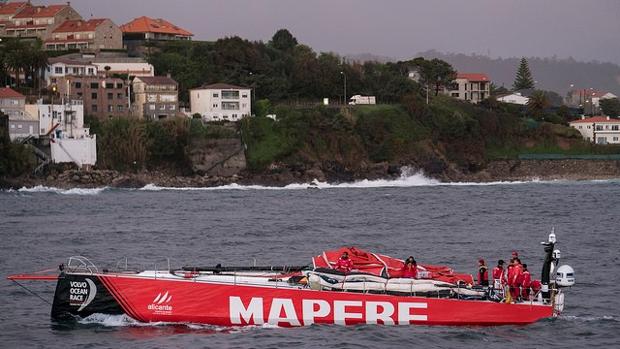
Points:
(40, 11)
(473, 76)
(222, 86)
(597, 119)
(11, 8)
(7, 92)
(157, 80)
(149, 25)
(72, 26)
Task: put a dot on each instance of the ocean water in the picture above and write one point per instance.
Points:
(438, 223)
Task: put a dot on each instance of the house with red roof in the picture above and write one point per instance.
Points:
(38, 21)
(146, 28)
(21, 123)
(95, 33)
(471, 87)
(598, 129)
(8, 11)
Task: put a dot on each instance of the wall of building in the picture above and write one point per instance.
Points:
(108, 35)
(23, 128)
(208, 103)
(81, 151)
(101, 97)
(605, 133)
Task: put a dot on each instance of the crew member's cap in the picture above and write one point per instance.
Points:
(515, 254)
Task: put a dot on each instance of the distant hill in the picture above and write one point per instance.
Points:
(550, 73)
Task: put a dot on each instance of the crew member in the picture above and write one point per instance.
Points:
(526, 283)
(410, 269)
(515, 274)
(344, 264)
(498, 275)
(483, 273)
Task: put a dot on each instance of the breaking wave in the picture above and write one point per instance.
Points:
(72, 191)
(124, 320)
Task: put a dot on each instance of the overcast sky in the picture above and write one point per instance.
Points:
(584, 29)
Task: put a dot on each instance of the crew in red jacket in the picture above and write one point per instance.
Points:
(344, 264)
(514, 278)
(499, 280)
(410, 269)
(526, 283)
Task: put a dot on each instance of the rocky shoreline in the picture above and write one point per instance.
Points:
(495, 171)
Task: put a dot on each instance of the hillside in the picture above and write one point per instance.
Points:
(552, 74)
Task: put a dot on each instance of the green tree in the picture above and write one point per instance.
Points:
(434, 73)
(263, 107)
(523, 79)
(537, 104)
(283, 40)
(610, 107)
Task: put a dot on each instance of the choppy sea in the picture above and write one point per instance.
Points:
(438, 223)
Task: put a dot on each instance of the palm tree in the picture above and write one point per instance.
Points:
(537, 103)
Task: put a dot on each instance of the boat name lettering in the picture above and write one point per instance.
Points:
(284, 310)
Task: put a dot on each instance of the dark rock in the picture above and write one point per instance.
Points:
(128, 182)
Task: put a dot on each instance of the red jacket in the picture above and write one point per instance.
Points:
(344, 265)
(515, 275)
(526, 280)
(410, 272)
(498, 274)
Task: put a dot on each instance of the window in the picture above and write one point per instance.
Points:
(93, 108)
(91, 71)
(234, 116)
(119, 85)
(615, 139)
(230, 94)
(151, 106)
(614, 127)
(455, 94)
(601, 140)
(599, 127)
(214, 105)
(230, 105)
(119, 108)
(58, 70)
(245, 95)
(588, 127)
(79, 94)
(119, 95)
(110, 95)
(110, 108)
(465, 95)
(19, 126)
(12, 126)
(94, 85)
(66, 70)
(93, 95)
(215, 95)
(172, 107)
(78, 84)
(162, 107)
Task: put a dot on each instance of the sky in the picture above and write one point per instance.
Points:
(583, 29)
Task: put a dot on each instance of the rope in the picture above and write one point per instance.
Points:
(32, 292)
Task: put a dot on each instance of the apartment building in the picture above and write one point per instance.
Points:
(100, 33)
(38, 21)
(102, 97)
(155, 97)
(471, 87)
(221, 102)
(21, 123)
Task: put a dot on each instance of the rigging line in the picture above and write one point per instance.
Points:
(31, 292)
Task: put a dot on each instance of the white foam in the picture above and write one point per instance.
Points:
(73, 191)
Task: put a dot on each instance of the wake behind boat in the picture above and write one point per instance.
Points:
(373, 292)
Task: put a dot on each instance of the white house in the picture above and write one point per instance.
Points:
(219, 102)
(58, 68)
(599, 129)
(21, 123)
(514, 98)
(66, 119)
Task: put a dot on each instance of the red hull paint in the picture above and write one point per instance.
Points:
(155, 300)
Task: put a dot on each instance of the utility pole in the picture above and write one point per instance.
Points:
(345, 87)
